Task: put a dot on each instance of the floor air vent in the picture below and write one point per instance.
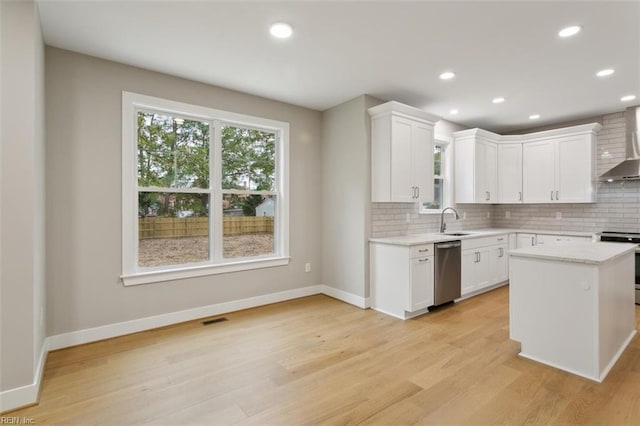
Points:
(214, 320)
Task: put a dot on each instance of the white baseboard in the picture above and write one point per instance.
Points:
(352, 299)
(19, 397)
(79, 337)
(25, 395)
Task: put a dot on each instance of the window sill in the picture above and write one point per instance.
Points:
(149, 277)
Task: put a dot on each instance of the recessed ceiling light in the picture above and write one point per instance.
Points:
(498, 100)
(534, 116)
(447, 75)
(453, 112)
(628, 98)
(281, 30)
(605, 72)
(570, 31)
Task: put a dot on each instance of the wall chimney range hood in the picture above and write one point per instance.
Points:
(629, 169)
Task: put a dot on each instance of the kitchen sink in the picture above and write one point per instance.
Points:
(456, 234)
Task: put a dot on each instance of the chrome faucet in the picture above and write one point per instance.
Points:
(443, 226)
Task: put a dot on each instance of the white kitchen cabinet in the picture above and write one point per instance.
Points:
(401, 154)
(484, 262)
(476, 167)
(559, 169)
(421, 287)
(525, 240)
(476, 273)
(553, 166)
(401, 279)
(499, 263)
(510, 173)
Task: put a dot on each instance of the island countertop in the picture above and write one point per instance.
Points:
(577, 252)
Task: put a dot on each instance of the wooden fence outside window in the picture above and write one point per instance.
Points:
(175, 227)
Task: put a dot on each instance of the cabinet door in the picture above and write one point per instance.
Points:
(422, 165)
(469, 260)
(499, 264)
(421, 283)
(526, 240)
(481, 193)
(510, 173)
(538, 180)
(483, 268)
(574, 169)
(491, 171)
(402, 188)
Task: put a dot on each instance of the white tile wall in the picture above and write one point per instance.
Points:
(617, 207)
(389, 219)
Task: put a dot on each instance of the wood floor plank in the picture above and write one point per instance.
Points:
(316, 360)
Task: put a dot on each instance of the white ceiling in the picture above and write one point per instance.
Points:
(389, 49)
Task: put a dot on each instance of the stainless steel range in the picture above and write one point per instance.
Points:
(626, 237)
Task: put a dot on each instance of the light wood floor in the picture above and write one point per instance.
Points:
(317, 360)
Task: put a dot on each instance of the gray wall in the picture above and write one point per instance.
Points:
(84, 196)
(22, 285)
(346, 195)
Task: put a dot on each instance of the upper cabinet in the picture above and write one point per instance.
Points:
(569, 165)
(554, 166)
(510, 173)
(401, 154)
(476, 167)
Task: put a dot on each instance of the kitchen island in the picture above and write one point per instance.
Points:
(572, 306)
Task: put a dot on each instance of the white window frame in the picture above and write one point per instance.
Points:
(447, 164)
(132, 274)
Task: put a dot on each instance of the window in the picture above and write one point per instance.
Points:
(204, 191)
(441, 179)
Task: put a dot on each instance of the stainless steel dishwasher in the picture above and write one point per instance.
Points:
(448, 272)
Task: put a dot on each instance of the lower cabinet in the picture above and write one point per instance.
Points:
(484, 262)
(421, 285)
(401, 279)
(526, 240)
(475, 269)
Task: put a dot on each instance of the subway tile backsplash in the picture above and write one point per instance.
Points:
(617, 207)
(389, 219)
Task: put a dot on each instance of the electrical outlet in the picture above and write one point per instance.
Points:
(558, 215)
(307, 267)
(507, 215)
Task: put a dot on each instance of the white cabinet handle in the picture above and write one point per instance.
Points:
(426, 259)
(418, 193)
(551, 195)
(488, 195)
(500, 239)
(519, 196)
(532, 242)
(423, 250)
(557, 195)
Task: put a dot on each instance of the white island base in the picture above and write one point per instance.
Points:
(572, 307)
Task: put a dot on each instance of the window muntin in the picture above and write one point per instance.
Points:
(441, 179)
(184, 170)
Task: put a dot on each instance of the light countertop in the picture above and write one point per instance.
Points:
(427, 238)
(578, 252)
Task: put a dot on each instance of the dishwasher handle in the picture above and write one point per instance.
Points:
(455, 244)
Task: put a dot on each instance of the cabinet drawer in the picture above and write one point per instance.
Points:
(473, 243)
(421, 250)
